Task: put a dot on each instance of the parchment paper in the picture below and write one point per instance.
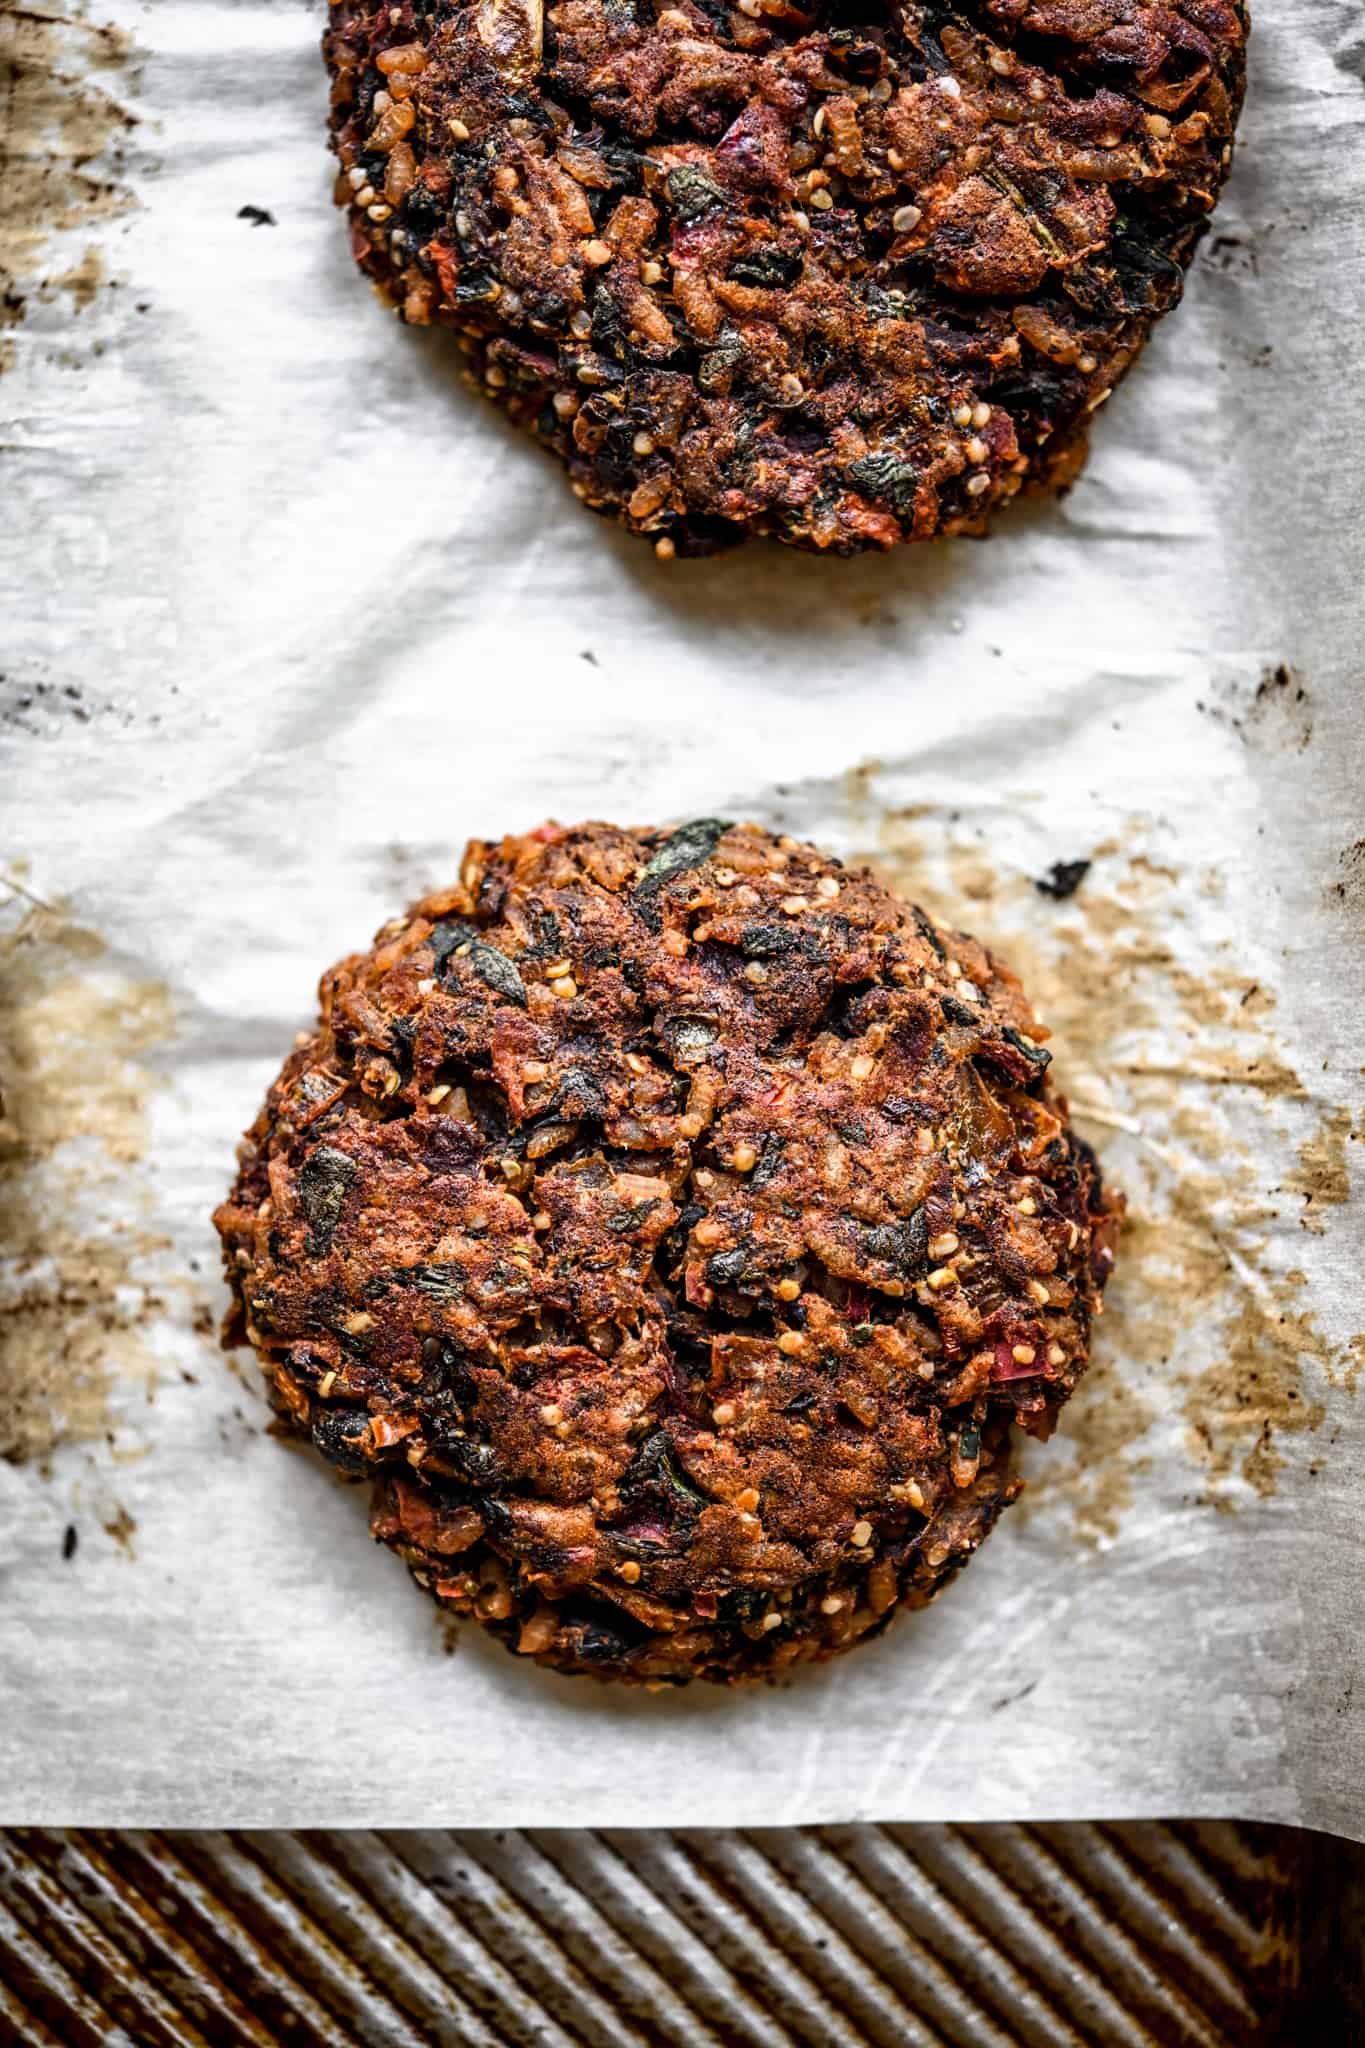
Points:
(288, 614)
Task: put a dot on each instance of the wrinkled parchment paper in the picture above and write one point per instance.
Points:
(287, 615)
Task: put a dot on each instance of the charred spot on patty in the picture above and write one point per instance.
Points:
(763, 269)
(685, 1286)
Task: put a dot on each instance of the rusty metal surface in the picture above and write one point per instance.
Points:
(1135, 1936)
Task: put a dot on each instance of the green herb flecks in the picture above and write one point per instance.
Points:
(323, 1180)
(888, 478)
(686, 848)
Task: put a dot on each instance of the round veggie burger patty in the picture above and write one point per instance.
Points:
(848, 275)
(674, 1226)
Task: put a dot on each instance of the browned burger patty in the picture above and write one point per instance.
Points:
(845, 275)
(674, 1226)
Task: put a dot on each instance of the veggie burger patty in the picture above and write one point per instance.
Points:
(844, 274)
(674, 1227)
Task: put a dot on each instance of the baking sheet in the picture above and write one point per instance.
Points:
(1140, 1935)
(288, 615)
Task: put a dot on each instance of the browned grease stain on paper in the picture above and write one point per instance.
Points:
(73, 1132)
(1158, 1059)
(1355, 1363)
(62, 130)
(83, 280)
(121, 1528)
(1320, 1173)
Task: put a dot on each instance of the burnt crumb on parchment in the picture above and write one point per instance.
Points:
(1280, 681)
(259, 216)
(70, 1539)
(42, 709)
(1237, 254)
(1231, 254)
(677, 1228)
(1062, 879)
(45, 709)
(844, 278)
(1172, 1054)
(1349, 885)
